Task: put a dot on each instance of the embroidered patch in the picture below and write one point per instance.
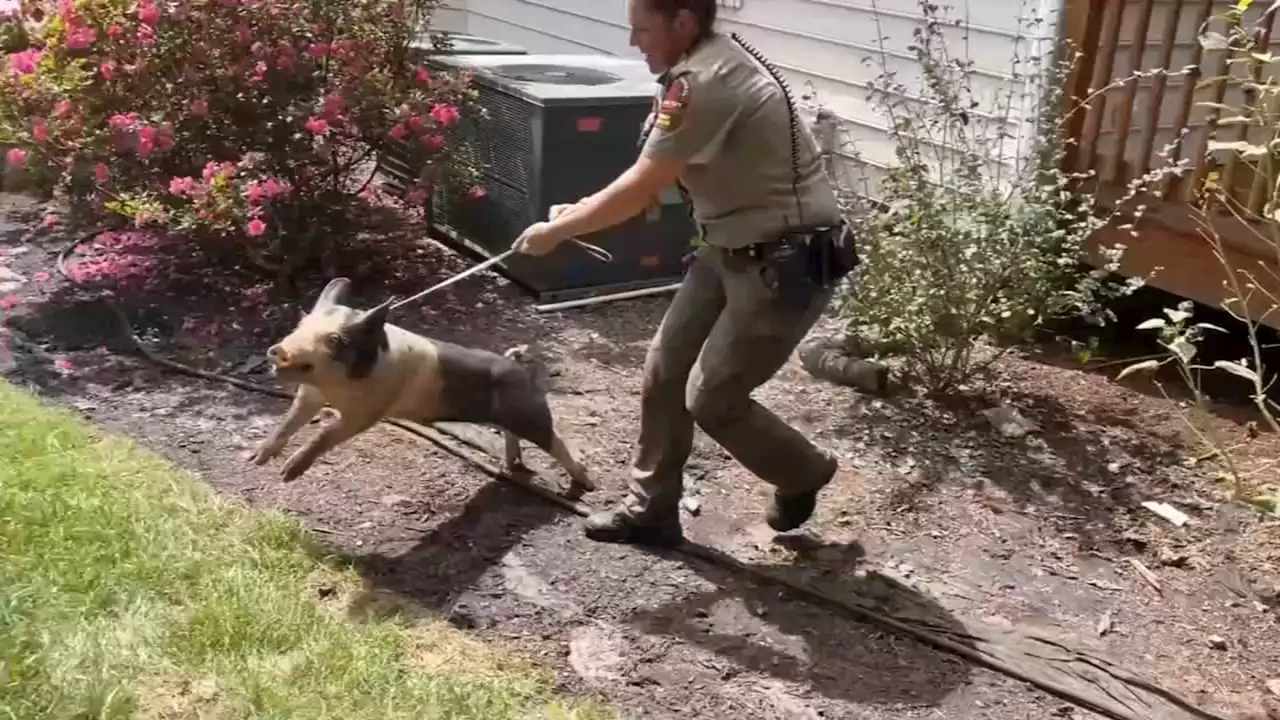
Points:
(674, 103)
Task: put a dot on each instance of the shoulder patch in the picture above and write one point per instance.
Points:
(673, 105)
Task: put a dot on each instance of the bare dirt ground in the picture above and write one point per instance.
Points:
(1034, 531)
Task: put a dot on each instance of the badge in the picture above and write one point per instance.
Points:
(674, 102)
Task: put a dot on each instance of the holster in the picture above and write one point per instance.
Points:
(806, 261)
(830, 252)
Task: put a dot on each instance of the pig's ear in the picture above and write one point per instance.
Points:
(335, 293)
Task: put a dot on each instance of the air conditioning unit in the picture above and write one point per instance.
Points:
(396, 172)
(561, 127)
(451, 43)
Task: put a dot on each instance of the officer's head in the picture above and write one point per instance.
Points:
(664, 30)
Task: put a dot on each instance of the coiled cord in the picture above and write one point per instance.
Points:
(792, 116)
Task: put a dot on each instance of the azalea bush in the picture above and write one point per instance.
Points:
(253, 122)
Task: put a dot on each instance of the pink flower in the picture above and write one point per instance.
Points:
(146, 141)
(476, 192)
(397, 132)
(181, 186)
(123, 122)
(318, 50)
(421, 76)
(62, 109)
(272, 187)
(199, 108)
(64, 365)
(446, 115)
(115, 31)
(244, 35)
(81, 37)
(255, 193)
(432, 142)
(317, 126)
(50, 220)
(10, 302)
(107, 70)
(15, 158)
(148, 13)
(256, 227)
(42, 276)
(40, 132)
(146, 35)
(332, 105)
(101, 173)
(25, 62)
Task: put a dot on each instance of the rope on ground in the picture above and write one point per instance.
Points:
(1072, 674)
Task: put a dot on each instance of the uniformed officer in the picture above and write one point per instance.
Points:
(722, 128)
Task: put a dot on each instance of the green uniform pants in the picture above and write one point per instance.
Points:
(725, 334)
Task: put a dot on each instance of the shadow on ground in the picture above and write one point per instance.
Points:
(505, 545)
(436, 570)
(1079, 472)
(842, 657)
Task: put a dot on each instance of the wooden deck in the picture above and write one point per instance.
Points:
(1120, 134)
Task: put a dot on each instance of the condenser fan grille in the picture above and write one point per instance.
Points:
(555, 74)
(504, 140)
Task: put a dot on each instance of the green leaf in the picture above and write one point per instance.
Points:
(1208, 326)
(1237, 369)
(1152, 324)
(1182, 349)
(1144, 366)
(1177, 317)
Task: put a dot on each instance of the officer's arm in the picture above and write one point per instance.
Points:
(691, 124)
(631, 194)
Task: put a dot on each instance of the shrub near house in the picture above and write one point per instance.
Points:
(253, 119)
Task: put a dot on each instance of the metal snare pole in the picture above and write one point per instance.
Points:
(595, 251)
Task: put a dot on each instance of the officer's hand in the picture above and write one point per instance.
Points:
(537, 239)
(555, 210)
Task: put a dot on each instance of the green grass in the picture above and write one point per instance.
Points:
(128, 590)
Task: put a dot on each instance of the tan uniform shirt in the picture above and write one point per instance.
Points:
(727, 117)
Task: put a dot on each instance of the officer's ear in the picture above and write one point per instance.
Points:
(685, 22)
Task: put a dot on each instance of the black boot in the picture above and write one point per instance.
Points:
(620, 526)
(789, 512)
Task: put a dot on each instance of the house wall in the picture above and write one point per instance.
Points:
(1171, 98)
(826, 48)
(450, 15)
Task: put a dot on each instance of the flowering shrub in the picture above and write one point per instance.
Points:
(253, 120)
